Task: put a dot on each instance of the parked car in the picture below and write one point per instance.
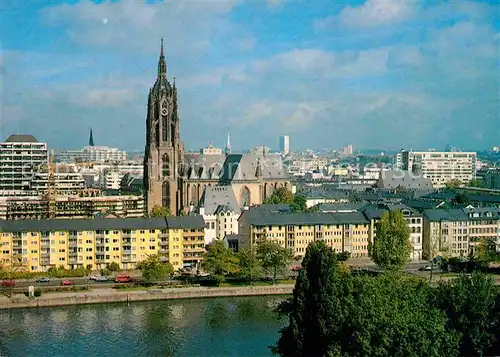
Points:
(8, 283)
(93, 277)
(100, 278)
(43, 280)
(66, 282)
(123, 279)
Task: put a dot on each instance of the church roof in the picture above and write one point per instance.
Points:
(234, 167)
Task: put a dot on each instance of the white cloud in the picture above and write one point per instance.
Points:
(314, 62)
(376, 13)
(138, 25)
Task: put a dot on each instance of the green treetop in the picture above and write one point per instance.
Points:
(391, 247)
(274, 258)
(159, 211)
(220, 261)
(152, 269)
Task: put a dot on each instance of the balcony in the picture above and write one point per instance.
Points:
(126, 235)
(127, 251)
(127, 259)
(99, 244)
(126, 242)
(45, 243)
(45, 262)
(163, 251)
(100, 260)
(45, 255)
(73, 243)
(163, 243)
(99, 236)
(163, 259)
(162, 235)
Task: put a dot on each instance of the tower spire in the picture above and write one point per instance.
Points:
(91, 138)
(162, 65)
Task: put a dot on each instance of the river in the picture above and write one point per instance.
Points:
(240, 326)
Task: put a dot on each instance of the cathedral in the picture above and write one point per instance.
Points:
(178, 180)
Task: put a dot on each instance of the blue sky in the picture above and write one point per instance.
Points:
(378, 74)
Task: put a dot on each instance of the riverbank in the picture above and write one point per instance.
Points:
(99, 296)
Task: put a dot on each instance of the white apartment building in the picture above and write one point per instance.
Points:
(285, 144)
(440, 167)
(64, 182)
(93, 154)
(21, 155)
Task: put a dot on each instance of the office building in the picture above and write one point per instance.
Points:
(38, 245)
(285, 144)
(440, 167)
(21, 156)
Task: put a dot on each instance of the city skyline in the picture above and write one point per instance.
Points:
(333, 76)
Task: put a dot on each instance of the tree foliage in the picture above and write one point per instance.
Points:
(476, 183)
(114, 267)
(453, 184)
(220, 261)
(250, 267)
(335, 313)
(152, 269)
(274, 258)
(159, 211)
(486, 251)
(460, 199)
(472, 305)
(391, 247)
(284, 196)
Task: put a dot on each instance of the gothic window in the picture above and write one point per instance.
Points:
(166, 166)
(166, 194)
(245, 196)
(172, 134)
(194, 195)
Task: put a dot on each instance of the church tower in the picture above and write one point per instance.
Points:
(164, 153)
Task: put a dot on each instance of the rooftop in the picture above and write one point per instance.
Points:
(21, 138)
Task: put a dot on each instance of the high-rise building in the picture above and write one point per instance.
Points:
(285, 144)
(21, 155)
(348, 150)
(440, 167)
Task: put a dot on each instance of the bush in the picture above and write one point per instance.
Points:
(38, 293)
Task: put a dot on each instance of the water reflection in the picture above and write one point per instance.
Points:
(205, 327)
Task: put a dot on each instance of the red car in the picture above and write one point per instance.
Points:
(8, 283)
(296, 268)
(123, 279)
(66, 282)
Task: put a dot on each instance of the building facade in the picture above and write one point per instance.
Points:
(457, 232)
(21, 156)
(343, 232)
(440, 167)
(36, 245)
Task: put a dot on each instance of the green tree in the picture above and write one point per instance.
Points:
(114, 267)
(310, 311)
(471, 304)
(453, 184)
(460, 199)
(281, 196)
(476, 183)
(220, 261)
(336, 314)
(391, 247)
(299, 203)
(249, 266)
(153, 269)
(159, 211)
(486, 252)
(274, 258)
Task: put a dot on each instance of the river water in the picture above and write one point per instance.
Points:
(240, 326)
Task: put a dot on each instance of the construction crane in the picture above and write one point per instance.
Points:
(51, 189)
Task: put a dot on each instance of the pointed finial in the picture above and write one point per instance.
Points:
(161, 48)
(174, 82)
